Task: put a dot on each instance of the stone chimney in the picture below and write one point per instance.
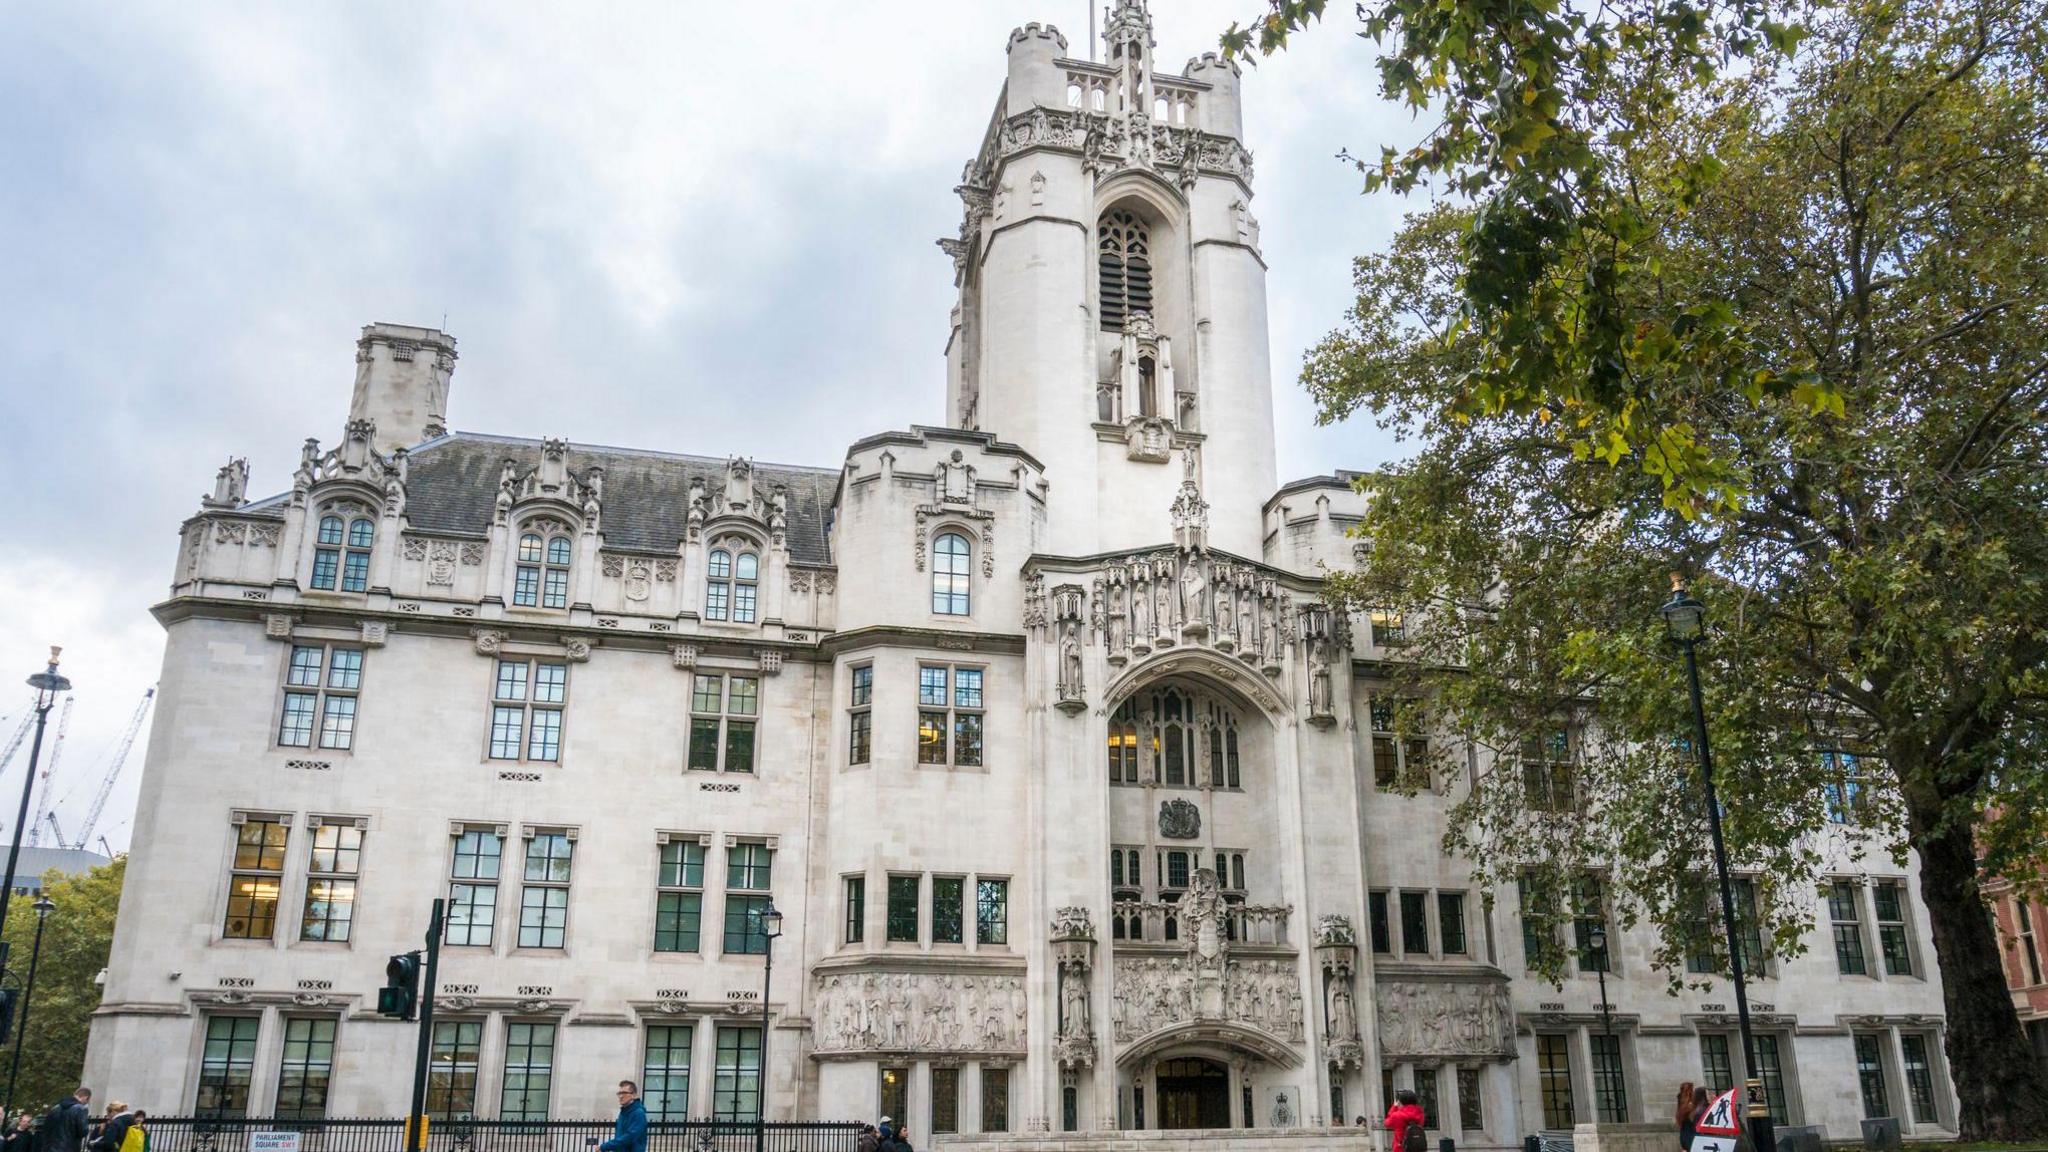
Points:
(402, 376)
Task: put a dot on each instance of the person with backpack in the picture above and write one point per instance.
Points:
(114, 1132)
(1405, 1120)
(869, 1140)
(64, 1125)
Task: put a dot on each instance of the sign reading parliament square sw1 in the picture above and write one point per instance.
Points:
(1718, 1129)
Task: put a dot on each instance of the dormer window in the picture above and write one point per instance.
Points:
(542, 577)
(343, 552)
(1124, 263)
(731, 585)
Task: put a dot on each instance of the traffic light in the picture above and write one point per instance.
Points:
(7, 1000)
(400, 996)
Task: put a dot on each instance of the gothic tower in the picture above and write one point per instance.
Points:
(1112, 311)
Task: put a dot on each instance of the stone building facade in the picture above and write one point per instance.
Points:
(1078, 803)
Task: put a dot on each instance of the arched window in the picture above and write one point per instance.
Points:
(541, 579)
(951, 564)
(1124, 259)
(1185, 739)
(342, 553)
(732, 585)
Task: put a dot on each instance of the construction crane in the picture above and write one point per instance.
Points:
(56, 830)
(120, 757)
(35, 835)
(28, 720)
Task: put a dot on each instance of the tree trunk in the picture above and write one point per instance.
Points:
(2003, 1094)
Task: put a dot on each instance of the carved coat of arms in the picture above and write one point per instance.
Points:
(1180, 820)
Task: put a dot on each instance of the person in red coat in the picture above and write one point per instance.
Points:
(1404, 1114)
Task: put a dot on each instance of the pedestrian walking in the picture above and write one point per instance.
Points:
(901, 1143)
(869, 1140)
(629, 1131)
(21, 1134)
(64, 1125)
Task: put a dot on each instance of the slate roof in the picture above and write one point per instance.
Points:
(452, 485)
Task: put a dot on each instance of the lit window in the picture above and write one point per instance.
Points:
(949, 715)
(321, 684)
(527, 699)
(1554, 1078)
(335, 860)
(256, 877)
(679, 906)
(951, 567)
(473, 887)
(722, 717)
(540, 579)
(1389, 628)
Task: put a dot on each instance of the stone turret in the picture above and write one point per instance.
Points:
(402, 376)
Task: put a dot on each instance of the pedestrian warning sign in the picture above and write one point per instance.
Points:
(1719, 1126)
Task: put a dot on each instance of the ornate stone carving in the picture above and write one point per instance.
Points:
(799, 580)
(639, 581)
(576, 649)
(472, 554)
(277, 626)
(1153, 992)
(415, 548)
(684, 656)
(1072, 923)
(441, 563)
(488, 641)
(263, 535)
(770, 662)
(374, 633)
(1179, 819)
(665, 571)
(1034, 601)
(230, 485)
(920, 1012)
(1068, 603)
(455, 1003)
(312, 999)
(613, 564)
(1444, 1018)
(229, 531)
(1333, 929)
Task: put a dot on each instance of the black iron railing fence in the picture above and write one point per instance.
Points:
(205, 1134)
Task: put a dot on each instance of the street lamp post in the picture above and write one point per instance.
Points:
(43, 906)
(771, 929)
(1597, 941)
(48, 684)
(1684, 621)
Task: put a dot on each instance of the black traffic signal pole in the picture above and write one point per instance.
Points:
(416, 1134)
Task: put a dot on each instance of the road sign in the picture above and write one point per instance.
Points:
(1722, 1117)
(273, 1142)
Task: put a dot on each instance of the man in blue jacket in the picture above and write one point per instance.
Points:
(629, 1132)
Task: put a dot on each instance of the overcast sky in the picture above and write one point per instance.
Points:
(691, 227)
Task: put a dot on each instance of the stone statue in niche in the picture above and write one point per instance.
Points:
(956, 480)
(1141, 610)
(1119, 621)
(1319, 678)
(1098, 610)
(1179, 819)
(1071, 689)
(1194, 588)
(1343, 1013)
(739, 484)
(1167, 607)
(1073, 1002)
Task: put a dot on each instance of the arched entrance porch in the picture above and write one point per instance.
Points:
(1198, 1076)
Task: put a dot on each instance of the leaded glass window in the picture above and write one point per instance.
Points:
(334, 861)
(679, 901)
(255, 878)
(473, 887)
(952, 572)
(225, 1066)
(1124, 267)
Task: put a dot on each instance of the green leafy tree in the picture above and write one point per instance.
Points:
(1876, 563)
(1536, 110)
(76, 939)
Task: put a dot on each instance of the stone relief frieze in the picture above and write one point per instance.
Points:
(1444, 1018)
(920, 1012)
(1152, 992)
